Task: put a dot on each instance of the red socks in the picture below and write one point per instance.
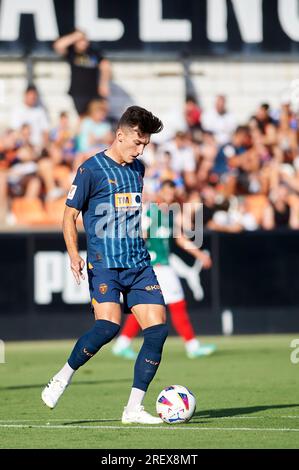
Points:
(131, 327)
(181, 320)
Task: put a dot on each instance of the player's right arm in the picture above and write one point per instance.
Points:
(78, 196)
(70, 234)
(62, 44)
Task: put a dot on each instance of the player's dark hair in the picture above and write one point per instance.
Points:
(136, 116)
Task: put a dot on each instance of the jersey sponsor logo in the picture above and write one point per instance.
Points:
(127, 200)
(72, 192)
(103, 288)
(153, 287)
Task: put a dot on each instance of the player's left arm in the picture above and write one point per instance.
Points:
(104, 78)
(145, 221)
(187, 245)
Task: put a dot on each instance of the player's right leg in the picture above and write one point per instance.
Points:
(104, 292)
(104, 330)
(106, 307)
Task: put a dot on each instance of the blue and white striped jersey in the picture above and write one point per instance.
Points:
(109, 196)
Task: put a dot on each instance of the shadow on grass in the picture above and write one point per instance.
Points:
(227, 412)
(92, 421)
(79, 382)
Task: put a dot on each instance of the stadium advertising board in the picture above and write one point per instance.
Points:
(196, 27)
(251, 288)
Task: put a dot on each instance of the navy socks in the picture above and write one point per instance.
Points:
(89, 344)
(104, 331)
(149, 356)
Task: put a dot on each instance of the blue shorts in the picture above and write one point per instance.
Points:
(138, 286)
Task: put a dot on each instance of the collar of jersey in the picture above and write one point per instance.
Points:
(114, 162)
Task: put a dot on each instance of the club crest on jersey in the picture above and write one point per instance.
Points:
(103, 288)
(110, 181)
(127, 200)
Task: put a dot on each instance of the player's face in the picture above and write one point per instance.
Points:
(131, 143)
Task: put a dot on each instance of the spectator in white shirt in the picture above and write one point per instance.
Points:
(34, 115)
(219, 121)
(182, 157)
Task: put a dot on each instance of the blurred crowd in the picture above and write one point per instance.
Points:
(245, 174)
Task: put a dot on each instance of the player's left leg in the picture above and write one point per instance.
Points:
(151, 318)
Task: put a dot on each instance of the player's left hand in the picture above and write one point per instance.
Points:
(206, 260)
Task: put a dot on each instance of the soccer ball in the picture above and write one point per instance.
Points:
(176, 404)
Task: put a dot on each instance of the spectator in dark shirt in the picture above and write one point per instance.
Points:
(212, 202)
(265, 123)
(241, 141)
(90, 71)
(282, 210)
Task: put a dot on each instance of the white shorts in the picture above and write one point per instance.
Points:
(170, 284)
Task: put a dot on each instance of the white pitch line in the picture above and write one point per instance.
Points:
(74, 420)
(129, 427)
(249, 417)
(56, 419)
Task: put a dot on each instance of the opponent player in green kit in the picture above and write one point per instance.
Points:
(159, 224)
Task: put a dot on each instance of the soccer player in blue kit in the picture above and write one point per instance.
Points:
(107, 190)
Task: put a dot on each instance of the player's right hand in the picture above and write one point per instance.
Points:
(77, 266)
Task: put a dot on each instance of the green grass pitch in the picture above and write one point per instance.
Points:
(247, 397)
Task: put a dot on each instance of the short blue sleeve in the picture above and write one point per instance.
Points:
(80, 190)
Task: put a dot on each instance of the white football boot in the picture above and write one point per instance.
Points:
(53, 391)
(139, 416)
